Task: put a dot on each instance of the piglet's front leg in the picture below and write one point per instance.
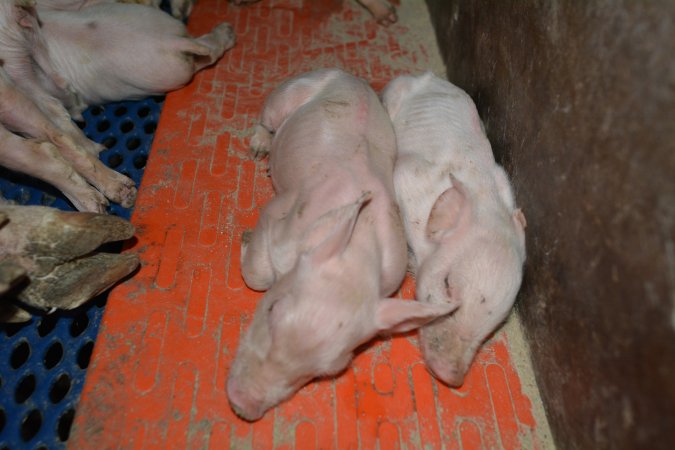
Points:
(19, 113)
(43, 160)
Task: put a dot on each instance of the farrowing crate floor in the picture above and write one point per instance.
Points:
(157, 378)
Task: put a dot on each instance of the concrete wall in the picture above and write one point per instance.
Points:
(579, 102)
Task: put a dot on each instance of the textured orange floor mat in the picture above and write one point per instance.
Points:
(169, 334)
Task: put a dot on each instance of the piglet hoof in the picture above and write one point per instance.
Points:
(119, 188)
(225, 34)
(125, 193)
(260, 142)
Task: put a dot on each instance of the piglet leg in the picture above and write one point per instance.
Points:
(43, 160)
(20, 113)
(115, 186)
(209, 47)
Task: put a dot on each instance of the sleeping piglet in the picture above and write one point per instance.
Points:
(465, 233)
(328, 248)
(112, 51)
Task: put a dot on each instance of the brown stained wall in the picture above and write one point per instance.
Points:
(578, 98)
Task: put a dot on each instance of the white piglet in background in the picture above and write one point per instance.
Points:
(328, 248)
(461, 222)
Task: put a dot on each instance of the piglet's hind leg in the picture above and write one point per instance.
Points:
(210, 47)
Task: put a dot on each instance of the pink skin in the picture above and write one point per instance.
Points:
(42, 60)
(43, 160)
(328, 248)
(153, 53)
(382, 11)
(460, 218)
(20, 114)
(20, 47)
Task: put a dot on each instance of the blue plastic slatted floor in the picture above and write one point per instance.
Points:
(43, 362)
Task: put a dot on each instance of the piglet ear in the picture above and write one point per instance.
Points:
(26, 14)
(331, 232)
(447, 209)
(398, 316)
(393, 94)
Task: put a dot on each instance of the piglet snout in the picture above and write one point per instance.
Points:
(243, 405)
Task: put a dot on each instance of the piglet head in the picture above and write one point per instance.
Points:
(476, 262)
(313, 318)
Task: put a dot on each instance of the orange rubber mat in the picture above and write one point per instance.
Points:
(170, 333)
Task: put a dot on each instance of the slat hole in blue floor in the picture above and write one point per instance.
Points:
(115, 160)
(65, 422)
(24, 389)
(20, 354)
(30, 426)
(133, 144)
(53, 356)
(47, 324)
(102, 126)
(79, 325)
(127, 127)
(60, 388)
(84, 354)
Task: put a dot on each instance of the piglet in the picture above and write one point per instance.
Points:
(466, 235)
(328, 248)
(47, 152)
(132, 51)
